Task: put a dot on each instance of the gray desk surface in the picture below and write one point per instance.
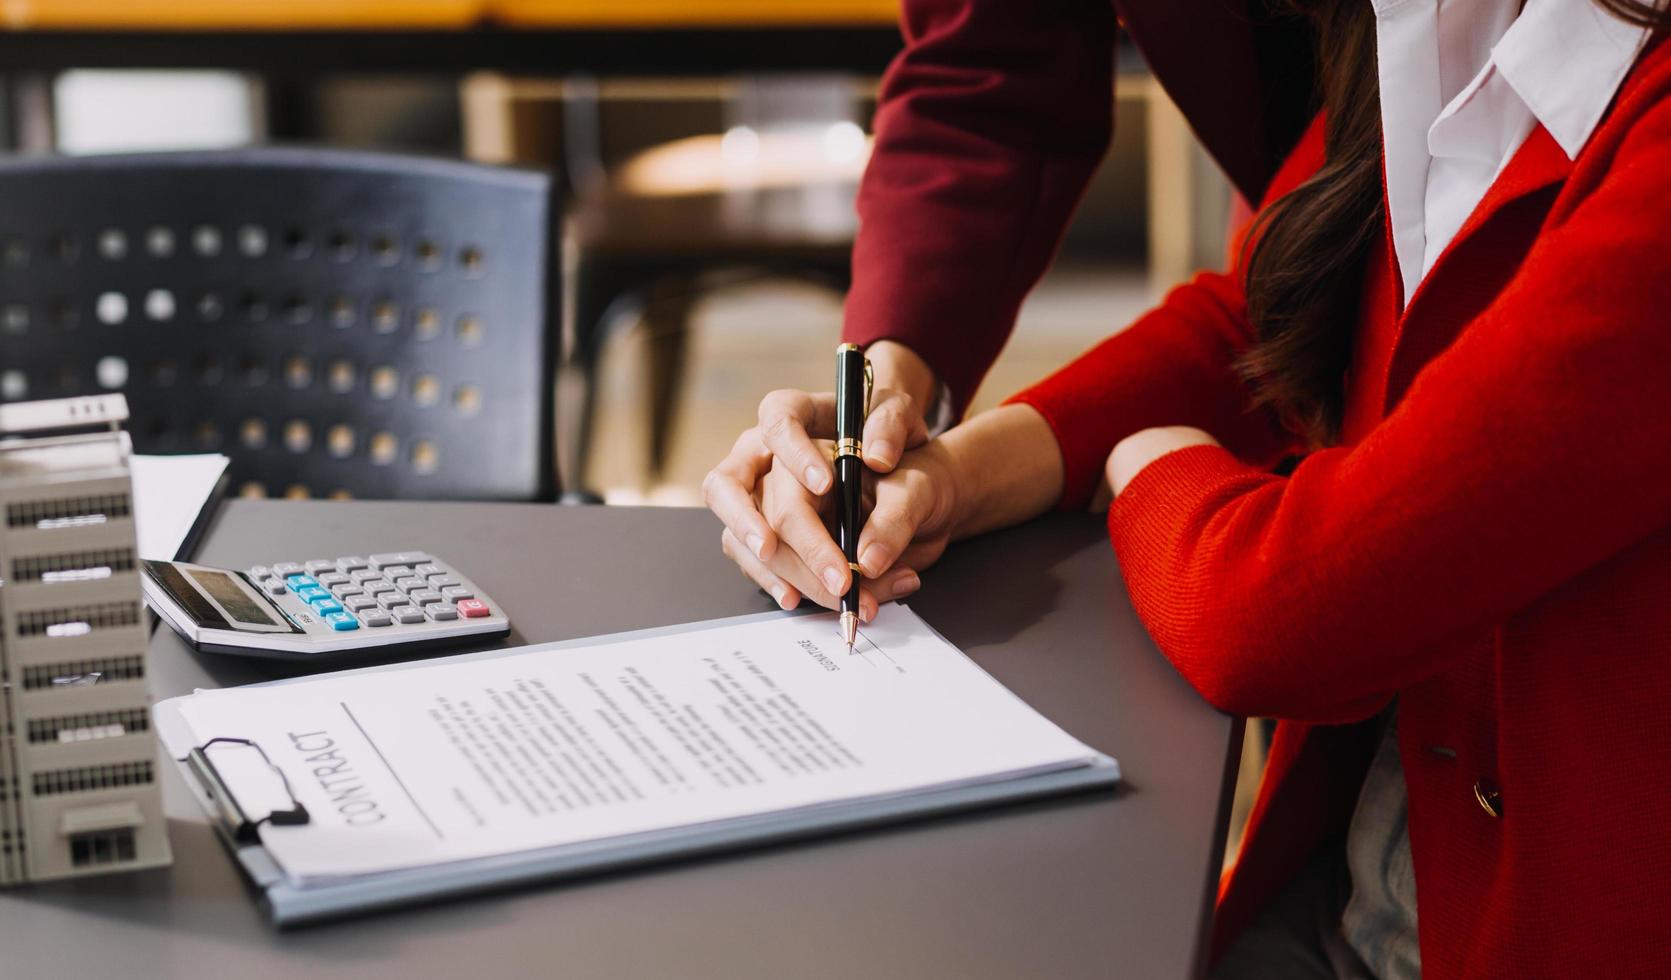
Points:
(1108, 885)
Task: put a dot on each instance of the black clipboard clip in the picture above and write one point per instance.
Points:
(238, 822)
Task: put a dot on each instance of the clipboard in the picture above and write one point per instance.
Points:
(286, 906)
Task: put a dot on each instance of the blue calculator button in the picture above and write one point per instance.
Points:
(341, 622)
(312, 593)
(299, 582)
(326, 606)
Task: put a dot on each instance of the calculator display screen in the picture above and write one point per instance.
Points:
(233, 599)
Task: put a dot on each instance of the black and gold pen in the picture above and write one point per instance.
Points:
(853, 380)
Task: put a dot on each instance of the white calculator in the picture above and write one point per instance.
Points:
(325, 610)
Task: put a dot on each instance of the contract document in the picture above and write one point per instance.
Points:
(599, 746)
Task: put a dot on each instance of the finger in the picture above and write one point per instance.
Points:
(786, 595)
(785, 417)
(893, 523)
(894, 425)
(791, 513)
(729, 488)
(789, 567)
(895, 583)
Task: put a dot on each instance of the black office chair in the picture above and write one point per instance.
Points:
(339, 323)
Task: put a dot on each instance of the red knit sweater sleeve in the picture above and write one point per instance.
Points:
(1174, 366)
(1532, 448)
(990, 123)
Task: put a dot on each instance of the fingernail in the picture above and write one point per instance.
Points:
(757, 544)
(778, 593)
(882, 450)
(832, 581)
(907, 583)
(872, 561)
(815, 480)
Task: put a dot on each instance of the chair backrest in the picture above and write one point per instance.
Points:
(339, 323)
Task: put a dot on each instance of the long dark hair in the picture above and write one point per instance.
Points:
(1304, 267)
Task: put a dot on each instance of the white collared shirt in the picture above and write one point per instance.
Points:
(1463, 83)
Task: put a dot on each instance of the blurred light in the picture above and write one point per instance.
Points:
(844, 142)
(740, 146)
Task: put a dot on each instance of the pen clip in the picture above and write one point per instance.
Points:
(870, 384)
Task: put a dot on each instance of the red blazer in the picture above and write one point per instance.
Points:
(1496, 552)
(992, 120)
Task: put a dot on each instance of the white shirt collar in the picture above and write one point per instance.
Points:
(1565, 59)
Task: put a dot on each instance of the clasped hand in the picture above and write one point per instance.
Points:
(775, 494)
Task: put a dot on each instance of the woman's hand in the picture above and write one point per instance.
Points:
(908, 517)
(1141, 448)
(783, 451)
(997, 469)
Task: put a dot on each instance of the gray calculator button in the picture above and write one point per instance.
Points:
(347, 589)
(409, 583)
(399, 558)
(318, 565)
(364, 574)
(453, 593)
(377, 585)
(394, 572)
(287, 568)
(393, 598)
(423, 597)
(407, 615)
(428, 569)
(332, 579)
(259, 571)
(359, 602)
(441, 610)
(443, 582)
(275, 586)
(350, 563)
(376, 618)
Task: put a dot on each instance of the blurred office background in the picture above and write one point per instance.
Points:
(704, 209)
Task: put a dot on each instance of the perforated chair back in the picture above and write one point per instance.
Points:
(339, 323)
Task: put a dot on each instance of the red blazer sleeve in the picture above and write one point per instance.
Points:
(1174, 366)
(1531, 449)
(990, 124)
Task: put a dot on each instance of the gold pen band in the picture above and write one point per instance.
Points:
(855, 567)
(848, 447)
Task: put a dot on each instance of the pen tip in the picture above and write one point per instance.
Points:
(849, 629)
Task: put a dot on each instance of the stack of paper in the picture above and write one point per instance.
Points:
(624, 746)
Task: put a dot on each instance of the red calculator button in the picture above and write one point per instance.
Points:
(473, 609)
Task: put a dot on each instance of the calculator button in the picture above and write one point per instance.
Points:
(325, 607)
(360, 602)
(259, 571)
(396, 572)
(393, 598)
(473, 609)
(299, 581)
(350, 563)
(275, 587)
(377, 585)
(441, 610)
(410, 583)
(318, 565)
(286, 568)
(399, 558)
(453, 593)
(332, 579)
(423, 597)
(364, 574)
(311, 592)
(341, 622)
(443, 582)
(376, 617)
(428, 569)
(347, 589)
(407, 615)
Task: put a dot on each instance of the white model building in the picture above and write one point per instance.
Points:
(79, 787)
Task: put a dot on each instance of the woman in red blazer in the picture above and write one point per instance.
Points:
(1479, 527)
